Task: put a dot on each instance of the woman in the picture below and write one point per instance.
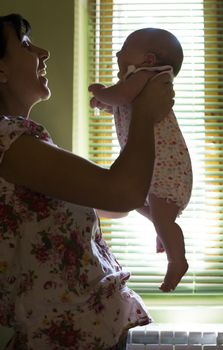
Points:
(61, 287)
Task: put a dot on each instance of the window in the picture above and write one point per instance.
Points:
(198, 24)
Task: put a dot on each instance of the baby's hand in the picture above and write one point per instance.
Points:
(94, 103)
(95, 87)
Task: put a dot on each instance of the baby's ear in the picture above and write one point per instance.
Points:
(150, 59)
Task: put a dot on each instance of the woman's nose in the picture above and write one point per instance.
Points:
(43, 54)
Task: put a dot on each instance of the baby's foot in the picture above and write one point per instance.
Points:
(159, 246)
(175, 271)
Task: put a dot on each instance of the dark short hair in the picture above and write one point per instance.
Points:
(18, 23)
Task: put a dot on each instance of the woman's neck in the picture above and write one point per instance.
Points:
(13, 110)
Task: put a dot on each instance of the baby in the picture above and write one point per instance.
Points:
(145, 54)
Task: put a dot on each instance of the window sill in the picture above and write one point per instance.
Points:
(181, 309)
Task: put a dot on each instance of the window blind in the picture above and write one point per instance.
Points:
(198, 24)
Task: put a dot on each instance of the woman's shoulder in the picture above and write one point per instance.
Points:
(11, 127)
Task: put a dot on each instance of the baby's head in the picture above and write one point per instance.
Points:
(150, 47)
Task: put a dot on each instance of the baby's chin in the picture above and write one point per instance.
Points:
(120, 75)
(123, 73)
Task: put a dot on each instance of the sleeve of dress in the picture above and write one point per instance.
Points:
(11, 128)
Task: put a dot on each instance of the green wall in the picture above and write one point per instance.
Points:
(53, 28)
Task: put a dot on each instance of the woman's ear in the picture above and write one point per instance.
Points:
(150, 59)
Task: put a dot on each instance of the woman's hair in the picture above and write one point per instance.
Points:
(20, 25)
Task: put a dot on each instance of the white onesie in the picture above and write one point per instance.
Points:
(172, 173)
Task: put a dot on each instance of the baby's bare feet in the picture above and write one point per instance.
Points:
(175, 271)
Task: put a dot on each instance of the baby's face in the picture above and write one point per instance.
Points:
(132, 53)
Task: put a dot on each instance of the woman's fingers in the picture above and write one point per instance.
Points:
(157, 97)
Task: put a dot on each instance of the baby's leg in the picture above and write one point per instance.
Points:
(145, 211)
(163, 216)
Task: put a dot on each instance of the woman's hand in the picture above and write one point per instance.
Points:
(157, 98)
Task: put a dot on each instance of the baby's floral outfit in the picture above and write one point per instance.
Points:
(60, 286)
(172, 172)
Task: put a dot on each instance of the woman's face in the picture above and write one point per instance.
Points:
(24, 71)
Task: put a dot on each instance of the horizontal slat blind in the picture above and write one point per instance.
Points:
(199, 108)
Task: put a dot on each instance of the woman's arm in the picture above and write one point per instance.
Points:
(58, 173)
(111, 214)
(122, 93)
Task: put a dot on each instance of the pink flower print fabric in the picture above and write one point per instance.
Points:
(172, 173)
(60, 285)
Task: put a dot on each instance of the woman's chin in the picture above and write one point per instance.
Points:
(46, 93)
(47, 96)
(43, 96)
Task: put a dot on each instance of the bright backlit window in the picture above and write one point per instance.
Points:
(198, 107)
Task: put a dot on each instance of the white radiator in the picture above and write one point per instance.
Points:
(175, 337)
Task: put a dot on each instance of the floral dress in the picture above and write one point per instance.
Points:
(60, 286)
(172, 172)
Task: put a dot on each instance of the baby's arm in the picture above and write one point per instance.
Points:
(122, 93)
